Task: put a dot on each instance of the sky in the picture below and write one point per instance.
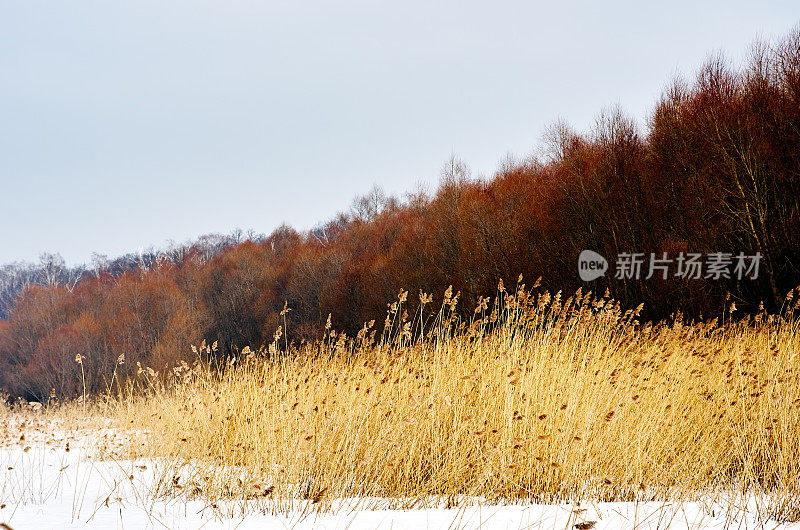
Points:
(126, 125)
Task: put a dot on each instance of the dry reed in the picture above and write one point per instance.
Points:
(534, 398)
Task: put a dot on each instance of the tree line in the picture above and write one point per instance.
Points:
(52, 268)
(715, 170)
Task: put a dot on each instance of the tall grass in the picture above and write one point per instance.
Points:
(535, 398)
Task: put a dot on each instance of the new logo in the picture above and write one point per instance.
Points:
(591, 265)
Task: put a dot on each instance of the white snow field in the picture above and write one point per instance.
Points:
(58, 477)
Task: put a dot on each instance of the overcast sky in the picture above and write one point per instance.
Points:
(127, 124)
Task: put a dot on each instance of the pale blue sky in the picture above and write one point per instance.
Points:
(126, 124)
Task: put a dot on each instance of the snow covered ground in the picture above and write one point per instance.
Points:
(52, 476)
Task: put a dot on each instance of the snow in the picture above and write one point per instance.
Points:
(53, 477)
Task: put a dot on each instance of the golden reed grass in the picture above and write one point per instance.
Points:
(535, 398)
